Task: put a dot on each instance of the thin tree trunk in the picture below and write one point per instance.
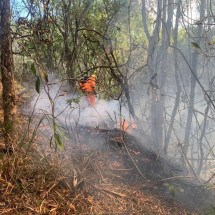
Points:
(144, 20)
(8, 95)
(162, 57)
(194, 66)
(126, 90)
(178, 94)
(151, 56)
(67, 51)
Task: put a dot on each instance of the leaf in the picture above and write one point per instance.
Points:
(58, 141)
(75, 182)
(33, 69)
(38, 84)
(75, 178)
(54, 127)
(195, 45)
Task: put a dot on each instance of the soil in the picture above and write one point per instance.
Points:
(132, 173)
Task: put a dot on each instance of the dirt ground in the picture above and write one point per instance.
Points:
(128, 179)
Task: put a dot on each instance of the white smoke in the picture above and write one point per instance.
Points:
(71, 109)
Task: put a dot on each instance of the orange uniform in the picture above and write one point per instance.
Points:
(88, 87)
(92, 81)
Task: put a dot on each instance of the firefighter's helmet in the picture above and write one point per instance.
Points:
(93, 76)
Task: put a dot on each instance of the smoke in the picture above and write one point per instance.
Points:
(71, 109)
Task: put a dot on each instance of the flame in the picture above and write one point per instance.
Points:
(127, 126)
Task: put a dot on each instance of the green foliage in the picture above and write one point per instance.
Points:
(211, 211)
(42, 74)
(58, 140)
(102, 27)
(8, 126)
(58, 136)
(33, 69)
(75, 100)
(182, 34)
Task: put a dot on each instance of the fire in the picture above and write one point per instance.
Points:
(127, 126)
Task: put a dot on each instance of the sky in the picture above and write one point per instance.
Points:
(19, 8)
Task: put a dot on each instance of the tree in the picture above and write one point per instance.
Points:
(177, 80)
(152, 60)
(193, 82)
(8, 95)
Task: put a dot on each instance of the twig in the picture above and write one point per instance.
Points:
(110, 191)
(50, 189)
(114, 193)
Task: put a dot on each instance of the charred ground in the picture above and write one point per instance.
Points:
(129, 172)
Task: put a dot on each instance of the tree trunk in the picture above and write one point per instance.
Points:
(67, 50)
(8, 95)
(151, 57)
(194, 66)
(176, 68)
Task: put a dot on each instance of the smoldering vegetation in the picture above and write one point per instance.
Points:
(160, 55)
(88, 130)
(155, 151)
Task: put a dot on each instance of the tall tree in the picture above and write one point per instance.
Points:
(193, 81)
(176, 68)
(152, 56)
(8, 95)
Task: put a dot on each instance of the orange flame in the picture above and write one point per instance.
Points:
(127, 126)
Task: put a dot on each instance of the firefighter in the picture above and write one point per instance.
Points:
(87, 86)
(91, 97)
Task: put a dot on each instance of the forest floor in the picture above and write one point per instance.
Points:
(108, 172)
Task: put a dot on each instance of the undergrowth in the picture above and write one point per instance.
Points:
(37, 179)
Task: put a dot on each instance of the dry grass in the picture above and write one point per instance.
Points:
(35, 183)
(32, 184)
(36, 179)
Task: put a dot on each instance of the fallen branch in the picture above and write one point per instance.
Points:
(114, 193)
(110, 191)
